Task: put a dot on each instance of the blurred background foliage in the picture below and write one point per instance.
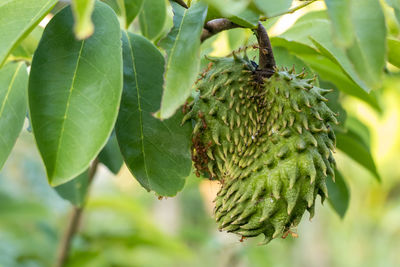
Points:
(123, 225)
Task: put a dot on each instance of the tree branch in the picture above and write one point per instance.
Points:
(215, 26)
(266, 61)
(73, 225)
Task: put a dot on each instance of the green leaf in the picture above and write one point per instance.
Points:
(227, 8)
(133, 7)
(13, 89)
(284, 58)
(17, 19)
(334, 103)
(350, 144)
(156, 152)
(331, 72)
(75, 191)
(270, 8)
(183, 56)
(367, 53)
(340, 14)
(394, 52)
(152, 18)
(395, 4)
(339, 194)
(247, 18)
(25, 50)
(111, 156)
(82, 10)
(74, 92)
(360, 129)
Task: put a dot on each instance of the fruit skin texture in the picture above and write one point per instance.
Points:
(269, 141)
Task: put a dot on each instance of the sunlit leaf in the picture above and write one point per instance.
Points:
(17, 19)
(340, 14)
(25, 50)
(228, 8)
(152, 18)
(247, 18)
(13, 106)
(270, 8)
(156, 152)
(339, 194)
(183, 56)
(74, 92)
(394, 52)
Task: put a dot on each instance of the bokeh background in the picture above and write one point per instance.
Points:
(123, 225)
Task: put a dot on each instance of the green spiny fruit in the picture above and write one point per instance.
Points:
(267, 140)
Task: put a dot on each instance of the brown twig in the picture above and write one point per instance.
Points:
(73, 225)
(181, 3)
(266, 61)
(215, 26)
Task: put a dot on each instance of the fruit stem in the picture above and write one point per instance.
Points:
(266, 61)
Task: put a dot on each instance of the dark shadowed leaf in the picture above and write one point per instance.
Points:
(111, 156)
(132, 9)
(75, 190)
(339, 194)
(352, 145)
(74, 92)
(13, 105)
(17, 19)
(183, 56)
(152, 18)
(156, 152)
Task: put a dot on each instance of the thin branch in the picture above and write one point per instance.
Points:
(290, 11)
(215, 26)
(73, 225)
(181, 3)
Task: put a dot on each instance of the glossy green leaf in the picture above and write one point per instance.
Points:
(183, 56)
(317, 33)
(247, 18)
(25, 50)
(340, 14)
(17, 19)
(394, 52)
(82, 10)
(75, 191)
(228, 8)
(13, 106)
(270, 8)
(133, 7)
(152, 18)
(351, 145)
(74, 92)
(339, 194)
(117, 6)
(111, 156)
(368, 51)
(331, 72)
(156, 152)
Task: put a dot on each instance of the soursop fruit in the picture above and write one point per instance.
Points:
(269, 141)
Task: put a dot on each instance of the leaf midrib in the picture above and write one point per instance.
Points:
(9, 89)
(65, 117)
(139, 108)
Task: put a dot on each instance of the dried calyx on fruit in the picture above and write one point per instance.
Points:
(266, 135)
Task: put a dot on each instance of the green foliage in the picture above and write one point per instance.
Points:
(158, 164)
(18, 18)
(71, 115)
(80, 68)
(14, 83)
(183, 50)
